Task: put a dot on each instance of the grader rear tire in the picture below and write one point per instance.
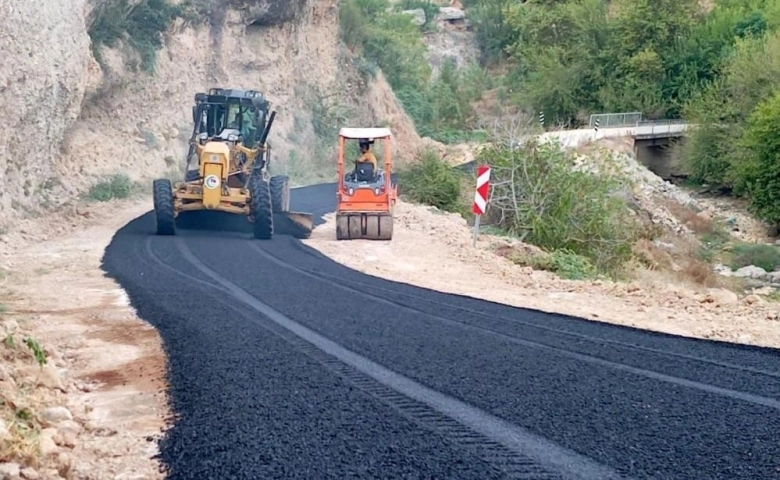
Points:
(263, 228)
(280, 193)
(162, 192)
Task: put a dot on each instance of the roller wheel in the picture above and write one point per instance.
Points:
(386, 227)
(162, 192)
(280, 193)
(354, 227)
(263, 228)
(342, 227)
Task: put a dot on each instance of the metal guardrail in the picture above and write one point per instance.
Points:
(611, 120)
(661, 121)
(673, 126)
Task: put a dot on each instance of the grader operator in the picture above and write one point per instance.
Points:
(227, 168)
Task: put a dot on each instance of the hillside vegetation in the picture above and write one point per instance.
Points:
(713, 64)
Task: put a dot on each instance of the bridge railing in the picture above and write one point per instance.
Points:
(661, 126)
(611, 120)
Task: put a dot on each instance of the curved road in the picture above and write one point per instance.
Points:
(285, 364)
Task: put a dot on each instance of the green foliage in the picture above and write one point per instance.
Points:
(736, 147)
(141, 25)
(431, 181)
(717, 65)
(564, 263)
(760, 255)
(569, 265)
(493, 33)
(327, 117)
(572, 57)
(538, 196)
(440, 108)
(762, 170)
(38, 353)
(115, 187)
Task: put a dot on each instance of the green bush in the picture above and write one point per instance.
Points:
(569, 265)
(115, 187)
(564, 263)
(760, 255)
(431, 181)
(140, 25)
(538, 196)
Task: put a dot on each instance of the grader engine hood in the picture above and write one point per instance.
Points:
(214, 164)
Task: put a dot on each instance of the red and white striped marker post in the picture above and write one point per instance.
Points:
(481, 197)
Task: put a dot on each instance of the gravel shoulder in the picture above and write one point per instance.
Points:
(101, 392)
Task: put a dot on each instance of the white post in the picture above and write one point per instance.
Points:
(476, 229)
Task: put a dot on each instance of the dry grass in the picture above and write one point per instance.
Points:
(22, 444)
(677, 259)
(19, 405)
(699, 223)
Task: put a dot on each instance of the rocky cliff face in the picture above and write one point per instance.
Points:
(268, 12)
(42, 85)
(70, 121)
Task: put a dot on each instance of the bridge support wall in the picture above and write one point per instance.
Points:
(657, 155)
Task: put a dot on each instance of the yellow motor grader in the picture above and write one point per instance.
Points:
(227, 168)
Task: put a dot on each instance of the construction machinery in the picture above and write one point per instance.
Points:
(227, 168)
(366, 196)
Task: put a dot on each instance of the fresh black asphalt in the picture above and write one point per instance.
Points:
(252, 402)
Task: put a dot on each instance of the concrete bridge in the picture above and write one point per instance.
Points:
(652, 138)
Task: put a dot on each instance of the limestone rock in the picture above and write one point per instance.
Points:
(9, 470)
(57, 414)
(30, 474)
(451, 14)
(751, 271)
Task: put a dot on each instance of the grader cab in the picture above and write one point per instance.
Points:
(227, 168)
(366, 195)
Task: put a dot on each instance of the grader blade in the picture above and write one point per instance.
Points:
(364, 226)
(295, 224)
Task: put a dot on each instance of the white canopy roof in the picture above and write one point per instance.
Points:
(369, 133)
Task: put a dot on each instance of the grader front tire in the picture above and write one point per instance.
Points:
(263, 228)
(162, 192)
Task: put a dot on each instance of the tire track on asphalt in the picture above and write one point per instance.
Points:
(597, 340)
(528, 456)
(735, 394)
(589, 338)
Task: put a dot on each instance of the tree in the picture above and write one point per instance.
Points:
(762, 139)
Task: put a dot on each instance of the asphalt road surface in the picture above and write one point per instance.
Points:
(285, 364)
